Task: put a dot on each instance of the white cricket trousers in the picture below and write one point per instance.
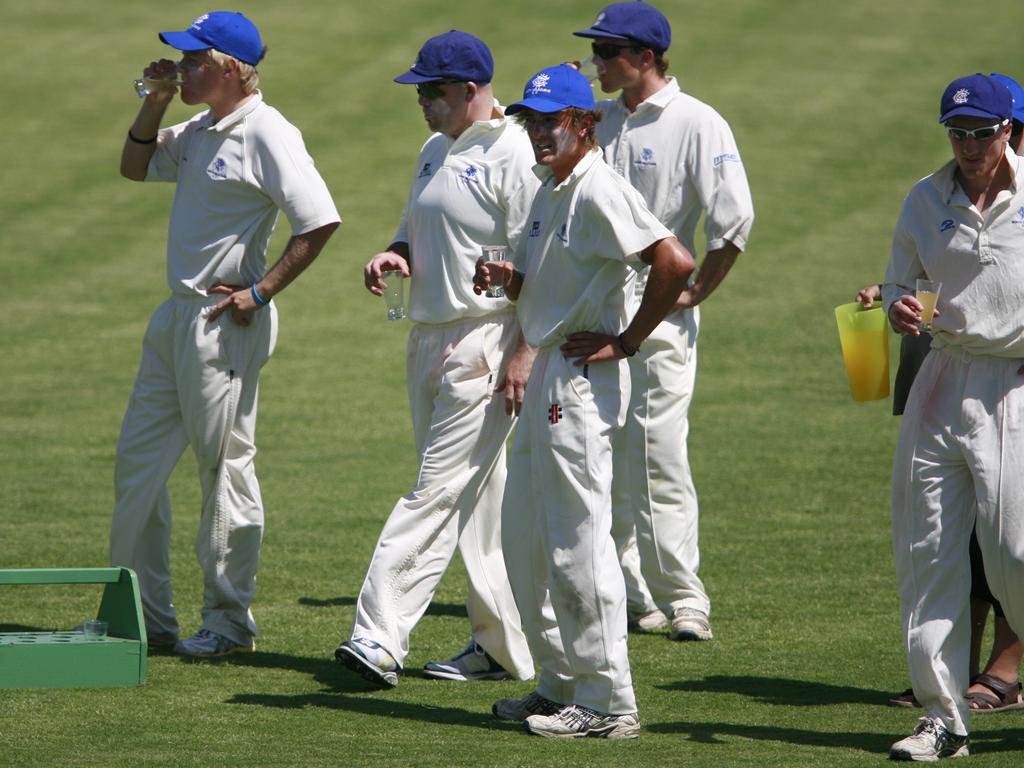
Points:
(460, 428)
(654, 501)
(197, 385)
(961, 449)
(556, 532)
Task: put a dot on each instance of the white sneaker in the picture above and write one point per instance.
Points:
(370, 661)
(518, 710)
(205, 644)
(690, 624)
(654, 621)
(930, 741)
(576, 722)
(472, 663)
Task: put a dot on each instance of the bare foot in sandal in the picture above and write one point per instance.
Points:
(990, 694)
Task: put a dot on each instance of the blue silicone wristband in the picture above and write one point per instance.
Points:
(259, 299)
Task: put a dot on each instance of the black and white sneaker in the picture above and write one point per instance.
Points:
(930, 741)
(517, 710)
(576, 722)
(370, 661)
(472, 663)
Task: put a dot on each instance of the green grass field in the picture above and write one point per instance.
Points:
(834, 106)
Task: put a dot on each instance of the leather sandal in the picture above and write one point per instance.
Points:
(1004, 696)
(905, 699)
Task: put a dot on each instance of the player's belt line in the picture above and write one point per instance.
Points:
(500, 316)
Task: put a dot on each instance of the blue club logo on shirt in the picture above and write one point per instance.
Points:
(1018, 219)
(471, 175)
(646, 159)
(534, 229)
(218, 169)
(424, 171)
(947, 225)
(563, 234)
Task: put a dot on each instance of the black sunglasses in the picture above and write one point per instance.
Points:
(433, 89)
(609, 51)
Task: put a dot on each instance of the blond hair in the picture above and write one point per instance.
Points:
(248, 77)
(577, 119)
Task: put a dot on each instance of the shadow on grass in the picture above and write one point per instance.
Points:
(375, 705)
(24, 628)
(982, 742)
(712, 733)
(435, 609)
(778, 690)
(325, 671)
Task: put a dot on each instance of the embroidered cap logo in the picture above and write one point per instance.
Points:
(539, 84)
(961, 96)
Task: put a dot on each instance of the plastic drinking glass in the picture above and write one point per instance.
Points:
(928, 294)
(495, 253)
(394, 294)
(95, 629)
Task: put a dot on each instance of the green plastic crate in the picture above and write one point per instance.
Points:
(70, 659)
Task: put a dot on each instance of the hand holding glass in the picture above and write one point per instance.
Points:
(163, 75)
(495, 253)
(147, 85)
(928, 294)
(588, 68)
(394, 294)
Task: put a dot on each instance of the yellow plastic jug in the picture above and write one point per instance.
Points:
(864, 337)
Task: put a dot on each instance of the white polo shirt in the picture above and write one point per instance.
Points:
(466, 193)
(232, 178)
(682, 157)
(978, 258)
(584, 234)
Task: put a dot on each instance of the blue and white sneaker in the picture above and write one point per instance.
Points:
(472, 663)
(206, 644)
(690, 624)
(370, 661)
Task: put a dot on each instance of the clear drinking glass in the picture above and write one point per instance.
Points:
(928, 294)
(588, 68)
(394, 294)
(495, 253)
(95, 629)
(146, 85)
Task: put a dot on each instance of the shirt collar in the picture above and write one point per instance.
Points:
(480, 127)
(544, 173)
(945, 179)
(657, 100)
(235, 117)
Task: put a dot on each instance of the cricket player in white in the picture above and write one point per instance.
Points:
(961, 445)
(681, 156)
(472, 186)
(235, 166)
(587, 227)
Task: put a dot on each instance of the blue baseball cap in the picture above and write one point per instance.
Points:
(224, 31)
(636, 21)
(976, 95)
(554, 89)
(454, 55)
(1016, 91)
